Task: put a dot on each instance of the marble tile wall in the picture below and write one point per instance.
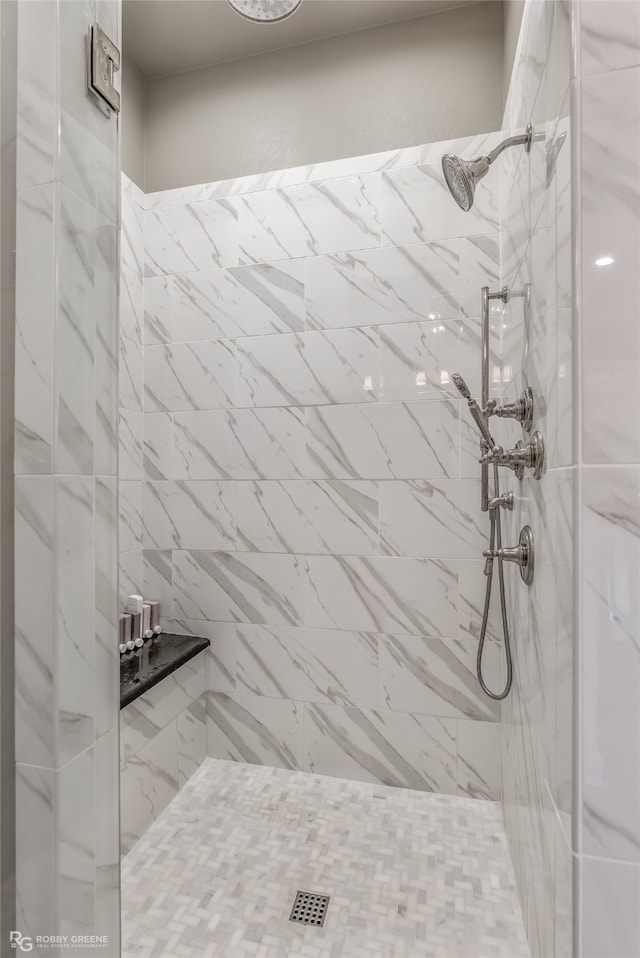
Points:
(535, 349)
(66, 482)
(310, 496)
(606, 834)
(163, 740)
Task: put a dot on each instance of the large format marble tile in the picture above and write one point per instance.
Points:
(609, 36)
(157, 578)
(301, 516)
(36, 862)
(192, 738)
(378, 286)
(611, 663)
(308, 369)
(383, 441)
(247, 301)
(325, 217)
(220, 657)
(433, 676)
(391, 748)
(196, 236)
(417, 207)
(610, 914)
(308, 665)
(34, 643)
(130, 511)
(439, 519)
(131, 304)
(148, 782)
(159, 297)
(189, 376)
(149, 714)
(36, 113)
(106, 664)
(131, 375)
(610, 106)
(74, 561)
(239, 444)
(417, 360)
(189, 515)
(238, 587)
(157, 450)
(35, 328)
(419, 596)
(132, 235)
(130, 437)
(250, 728)
(478, 768)
(74, 359)
(77, 829)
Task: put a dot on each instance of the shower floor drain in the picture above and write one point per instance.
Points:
(309, 909)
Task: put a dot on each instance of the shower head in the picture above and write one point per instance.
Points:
(461, 385)
(462, 175)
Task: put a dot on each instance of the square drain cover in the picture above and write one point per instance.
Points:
(309, 909)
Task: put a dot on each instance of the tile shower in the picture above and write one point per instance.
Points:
(308, 498)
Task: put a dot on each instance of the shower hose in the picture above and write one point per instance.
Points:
(495, 536)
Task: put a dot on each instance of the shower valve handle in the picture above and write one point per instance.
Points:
(523, 554)
(529, 455)
(521, 409)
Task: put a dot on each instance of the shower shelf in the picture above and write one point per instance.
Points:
(143, 668)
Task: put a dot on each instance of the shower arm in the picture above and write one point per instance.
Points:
(522, 138)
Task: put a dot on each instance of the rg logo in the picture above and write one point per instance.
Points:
(20, 941)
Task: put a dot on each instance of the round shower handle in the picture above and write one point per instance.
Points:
(523, 554)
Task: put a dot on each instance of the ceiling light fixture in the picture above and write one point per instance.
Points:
(265, 11)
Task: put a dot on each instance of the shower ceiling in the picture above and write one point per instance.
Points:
(170, 36)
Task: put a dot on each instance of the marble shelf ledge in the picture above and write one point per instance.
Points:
(143, 668)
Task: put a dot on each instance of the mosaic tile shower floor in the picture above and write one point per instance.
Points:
(409, 873)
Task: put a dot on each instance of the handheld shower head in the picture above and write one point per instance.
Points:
(461, 385)
(462, 175)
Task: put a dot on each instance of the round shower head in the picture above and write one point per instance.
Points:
(265, 11)
(460, 180)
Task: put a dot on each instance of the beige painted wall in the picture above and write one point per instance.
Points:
(399, 85)
(513, 11)
(132, 123)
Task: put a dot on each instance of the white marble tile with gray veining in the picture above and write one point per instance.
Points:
(480, 265)
(75, 386)
(238, 587)
(36, 862)
(302, 516)
(478, 770)
(34, 646)
(384, 441)
(247, 301)
(132, 249)
(323, 217)
(149, 780)
(609, 36)
(179, 196)
(192, 738)
(130, 436)
(432, 519)
(34, 333)
(419, 596)
(298, 175)
(75, 573)
(239, 444)
(378, 286)
(433, 676)
(77, 827)
(250, 728)
(417, 360)
(157, 459)
(144, 718)
(189, 376)
(189, 515)
(195, 236)
(308, 665)
(157, 578)
(418, 208)
(130, 576)
(159, 298)
(105, 443)
(106, 671)
(220, 657)
(131, 375)
(36, 110)
(308, 369)
(130, 506)
(131, 304)
(392, 748)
